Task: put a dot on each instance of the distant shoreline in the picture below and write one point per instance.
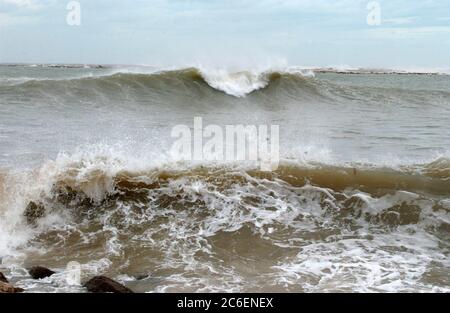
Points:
(333, 70)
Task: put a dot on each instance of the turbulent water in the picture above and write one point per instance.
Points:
(360, 201)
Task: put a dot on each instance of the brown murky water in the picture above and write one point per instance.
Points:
(360, 202)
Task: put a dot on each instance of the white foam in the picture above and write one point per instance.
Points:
(267, 207)
(235, 84)
(241, 83)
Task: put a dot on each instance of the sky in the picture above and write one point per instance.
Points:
(410, 33)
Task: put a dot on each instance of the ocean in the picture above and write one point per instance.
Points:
(360, 201)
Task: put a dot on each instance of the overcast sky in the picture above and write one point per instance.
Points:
(412, 33)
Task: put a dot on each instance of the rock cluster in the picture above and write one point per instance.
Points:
(6, 287)
(40, 272)
(102, 284)
(97, 284)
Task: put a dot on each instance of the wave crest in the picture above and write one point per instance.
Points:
(237, 84)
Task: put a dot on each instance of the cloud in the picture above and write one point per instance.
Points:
(400, 20)
(27, 4)
(22, 12)
(145, 31)
(21, 3)
(11, 20)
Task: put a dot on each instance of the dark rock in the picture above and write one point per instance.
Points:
(3, 278)
(8, 288)
(102, 284)
(33, 212)
(39, 272)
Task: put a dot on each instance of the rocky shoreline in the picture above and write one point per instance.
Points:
(97, 284)
(6, 287)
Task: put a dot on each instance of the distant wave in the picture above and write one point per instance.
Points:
(374, 70)
(67, 66)
(344, 69)
(237, 84)
(295, 83)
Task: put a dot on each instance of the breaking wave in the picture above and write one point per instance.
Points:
(238, 84)
(180, 217)
(357, 203)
